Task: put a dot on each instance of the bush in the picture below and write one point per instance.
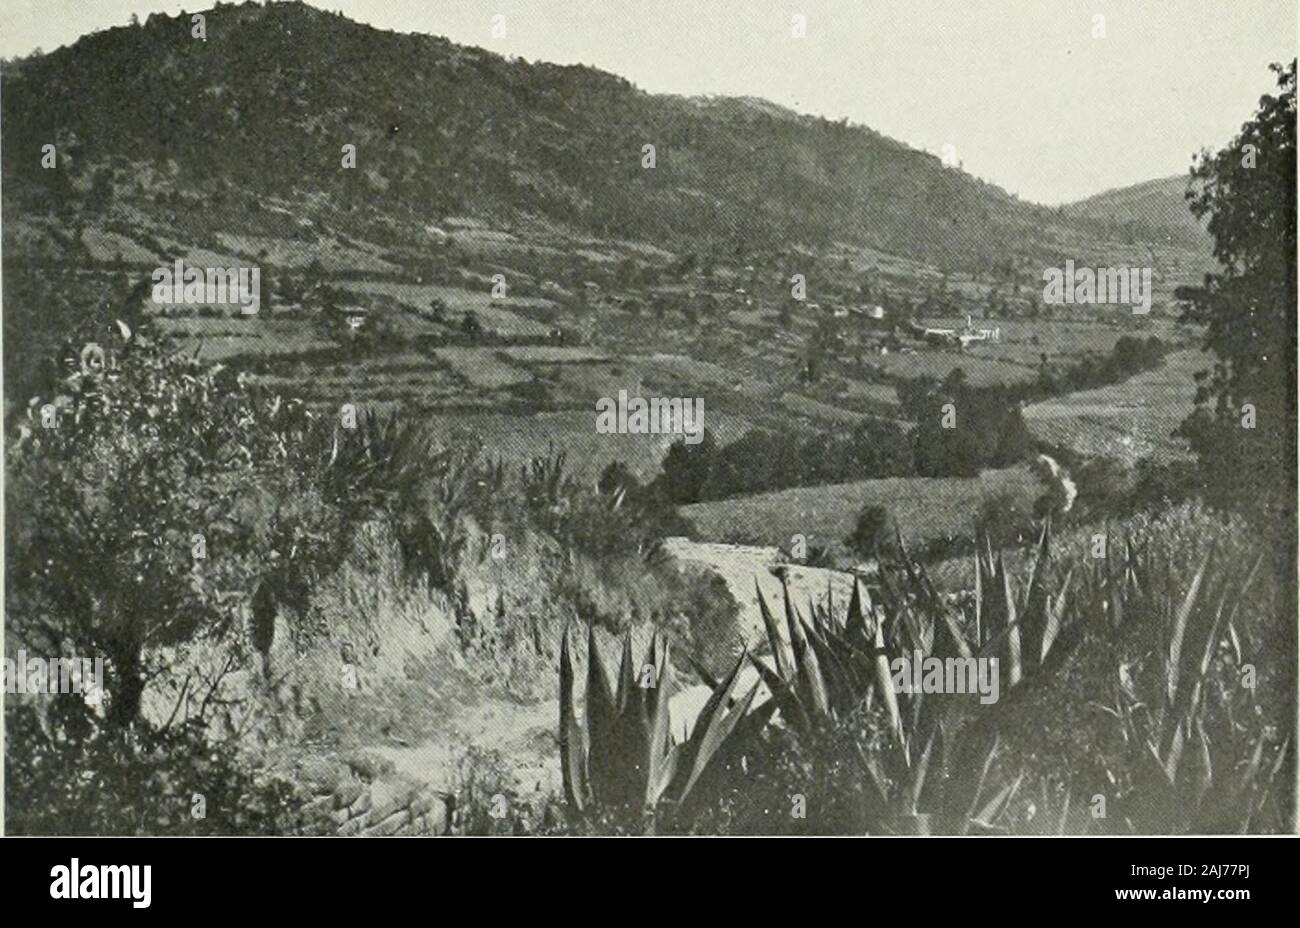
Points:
(874, 533)
(84, 778)
(162, 489)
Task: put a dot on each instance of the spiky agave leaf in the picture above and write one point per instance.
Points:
(976, 750)
(602, 726)
(784, 697)
(691, 764)
(632, 754)
(1007, 610)
(866, 623)
(781, 653)
(721, 723)
(984, 820)
(885, 684)
(663, 754)
(855, 623)
(573, 752)
(1033, 607)
(919, 770)
(837, 678)
(1178, 630)
(627, 691)
(1055, 613)
(811, 685)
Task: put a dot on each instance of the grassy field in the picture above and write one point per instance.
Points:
(480, 367)
(495, 315)
(815, 409)
(332, 255)
(980, 365)
(218, 339)
(553, 354)
(108, 247)
(403, 378)
(518, 439)
(924, 508)
(1125, 421)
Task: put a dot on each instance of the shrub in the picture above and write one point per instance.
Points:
(157, 502)
(81, 777)
(874, 532)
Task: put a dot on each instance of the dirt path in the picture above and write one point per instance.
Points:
(743, 566)
(524, 735)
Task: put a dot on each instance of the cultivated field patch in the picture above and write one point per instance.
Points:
(493, 315)
(110, 247)
(553, 354)
(218, 339)
(481, 367)
(925, 508)
(333, 256)
(1124, 421)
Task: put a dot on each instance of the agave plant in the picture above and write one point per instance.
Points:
(1163, 650)
(822, 672)
(544, 482)
(624, 760)
(1197, 759)
(382, 453)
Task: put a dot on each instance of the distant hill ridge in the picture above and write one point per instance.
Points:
(1155, 209)
(267, 102)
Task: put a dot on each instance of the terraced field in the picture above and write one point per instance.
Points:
(495, 315)
(221, 338)
(1125, 421)
(480, 367)
(332, 255)
(553, 354)
(110, 247)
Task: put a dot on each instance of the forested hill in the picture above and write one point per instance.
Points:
(267, 102)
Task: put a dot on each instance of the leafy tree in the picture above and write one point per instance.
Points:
(686, 469)
(143, 509)
(1243, 429)
(962, 428)
(77, 776)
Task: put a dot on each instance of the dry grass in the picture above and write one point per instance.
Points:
(1125, 421)
(925, 508)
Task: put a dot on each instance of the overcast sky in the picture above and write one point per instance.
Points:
(1021, 89)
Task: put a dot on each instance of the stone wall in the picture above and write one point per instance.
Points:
(361, 796)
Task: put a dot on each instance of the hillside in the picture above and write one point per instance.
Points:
(265, 105)
(1154, 210)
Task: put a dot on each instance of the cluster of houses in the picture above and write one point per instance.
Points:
(875, 316)
(960, 337)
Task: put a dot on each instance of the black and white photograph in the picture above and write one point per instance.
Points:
(647, 418)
